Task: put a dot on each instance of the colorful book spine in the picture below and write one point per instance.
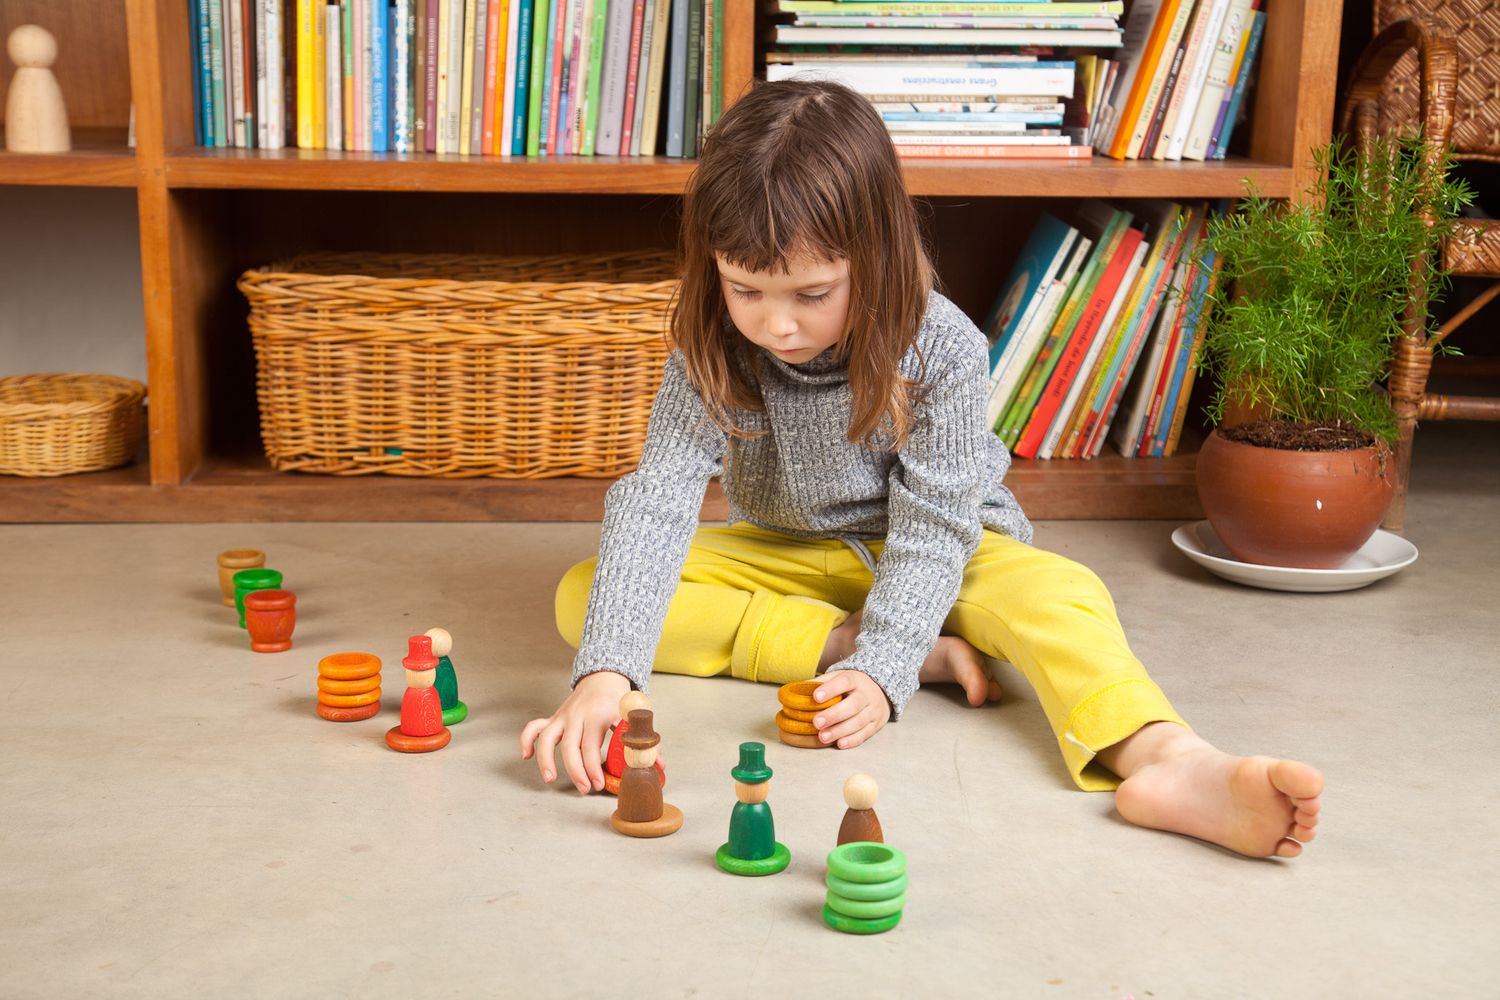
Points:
(615, 73)
(505, 140)
(203, 89)
(678, 79)
(1175, 15)
(419, 76)
(571, 108)
(256, 13)
(333, 79)
(379, 77)
(716, 92)
(593, 92)
(1234, 73)
(401, 77)
(430, 76)
(445, 80)
(522, 105)
(1174, 404)
(651, 117)
(543, 15)
(1247, 68)
(305, 54)
(482, 48)
(547, 112)
(494, 63)
(633, 77)
(466, 76)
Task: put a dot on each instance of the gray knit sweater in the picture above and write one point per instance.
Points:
(930, 501)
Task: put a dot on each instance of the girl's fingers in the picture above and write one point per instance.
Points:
(529, 734)
(593, 766)
(846, 728)
(850, 742)
(836, 683)
(545, 745)
(838, 713)
(573, 757)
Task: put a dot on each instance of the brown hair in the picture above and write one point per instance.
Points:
(804, 168)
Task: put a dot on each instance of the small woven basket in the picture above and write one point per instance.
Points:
(459, 366)
(55, 425)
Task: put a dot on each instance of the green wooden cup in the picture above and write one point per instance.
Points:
(247, 580)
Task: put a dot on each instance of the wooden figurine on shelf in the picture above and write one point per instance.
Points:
(641, 812)
(36, 119)
(860, 822)
(421, 727)
(614, 756)
(454, 711)
(752, 848)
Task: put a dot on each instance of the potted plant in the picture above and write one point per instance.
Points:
(1298, 336)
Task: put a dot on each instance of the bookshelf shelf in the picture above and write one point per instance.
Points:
(320, 170)
(207, 214)
(99, 158)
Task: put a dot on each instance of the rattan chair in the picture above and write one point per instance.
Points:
(1434, 65)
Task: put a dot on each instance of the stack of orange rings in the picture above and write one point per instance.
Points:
(795, 720)
(348, 686)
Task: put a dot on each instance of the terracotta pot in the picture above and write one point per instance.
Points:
(270, 615)
(231, 561)
(1301, 509)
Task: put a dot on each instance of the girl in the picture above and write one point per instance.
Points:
(841, 400)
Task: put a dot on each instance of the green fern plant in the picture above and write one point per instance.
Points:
(1311, 294)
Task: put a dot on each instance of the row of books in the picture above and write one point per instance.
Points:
(1185, 66)
(477, 77)
(1095, 333)
(963, 78)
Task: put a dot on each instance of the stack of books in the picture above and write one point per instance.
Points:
(1094, 335)
(961, 78)
(1180, 87)
(475, 77)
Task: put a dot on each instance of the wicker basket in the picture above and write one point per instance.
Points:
(54, 425)
(459, 366)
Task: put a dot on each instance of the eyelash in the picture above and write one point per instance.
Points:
(812, 300)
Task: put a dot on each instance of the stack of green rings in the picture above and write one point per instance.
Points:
(866, 888)
(247, 580)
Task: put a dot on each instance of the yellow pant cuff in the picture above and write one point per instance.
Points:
(781, 637)
(1104, 718)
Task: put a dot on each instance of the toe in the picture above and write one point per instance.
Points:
(1305, 818)
(1302, 833)
(1288, 849)
(1296, 780)
(994, 690)
(1310, 806)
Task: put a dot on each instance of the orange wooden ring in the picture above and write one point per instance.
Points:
(349, 666)
(805, 742)
(798, 714)
(799, 695)
(397, 740)
(795, 726)
(361, 686)
(349, 700)
(348, 714)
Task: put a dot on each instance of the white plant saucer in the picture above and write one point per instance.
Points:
(1378, 558)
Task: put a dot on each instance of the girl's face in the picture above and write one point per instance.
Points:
(797, 315)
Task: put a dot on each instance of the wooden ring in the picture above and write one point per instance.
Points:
(348, 714)
(866, 909)
(349, 666)
(853, 925)
(798, 695)
(865, 890)
(865, 861)
(330, 686)
(805, 742)
(397, 740)
(349, 700)
(801, 715)
(795, 726)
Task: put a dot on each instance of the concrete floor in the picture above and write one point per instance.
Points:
(177, 822)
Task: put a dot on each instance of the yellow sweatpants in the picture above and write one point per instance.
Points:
(759, 605)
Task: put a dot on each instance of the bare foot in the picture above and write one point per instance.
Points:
(952, 661)
(1257, 806)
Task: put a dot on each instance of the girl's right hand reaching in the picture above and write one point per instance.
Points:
(578, 727)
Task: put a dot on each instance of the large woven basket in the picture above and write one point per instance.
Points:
(54, 425)
(459, 366)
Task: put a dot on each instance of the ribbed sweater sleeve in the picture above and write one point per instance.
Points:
(934, 497)
(649, 519)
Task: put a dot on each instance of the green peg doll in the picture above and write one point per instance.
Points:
(752, 848)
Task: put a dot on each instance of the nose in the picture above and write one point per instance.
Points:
(780, 323)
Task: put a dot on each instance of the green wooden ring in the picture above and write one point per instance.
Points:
(865, 861)
(866, 890)
(453, 716)
(853, 925)
(866, 909)
(779, 859)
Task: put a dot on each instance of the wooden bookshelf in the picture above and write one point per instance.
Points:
(208, 214)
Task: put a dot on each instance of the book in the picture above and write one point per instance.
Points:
(614, 73)
(977, 7)
(234, 69)
(359, 28)
(586, 85)
(379, 35)
(643, 71)
(419, 75)
(598, 70)
(791, 34)
(209, 108)
(569, 97)
(1075, 345)
(255, 71)
(651, 120)
(1173, 405)
(1161, 378)
(1125, 435)
(1216, 81)
(1201, 52)
(1179, 415)
(1020, 297)
(333, 88)
(1105, 226)
(543, 15)
(466, 76)
(1159, 96)
(522, 101)
(305, 60)
(1242, 82)
(551, 81)
(691, 122)
(993, 152)
(629, 119)
(677, 77)
(1137, 80)
(716, 87)
(494, 38)
(403, 35)
(1053, 78)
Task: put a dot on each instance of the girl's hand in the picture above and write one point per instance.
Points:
(578, 728)
(864, 710)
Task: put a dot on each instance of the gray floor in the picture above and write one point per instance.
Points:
(176, 821)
